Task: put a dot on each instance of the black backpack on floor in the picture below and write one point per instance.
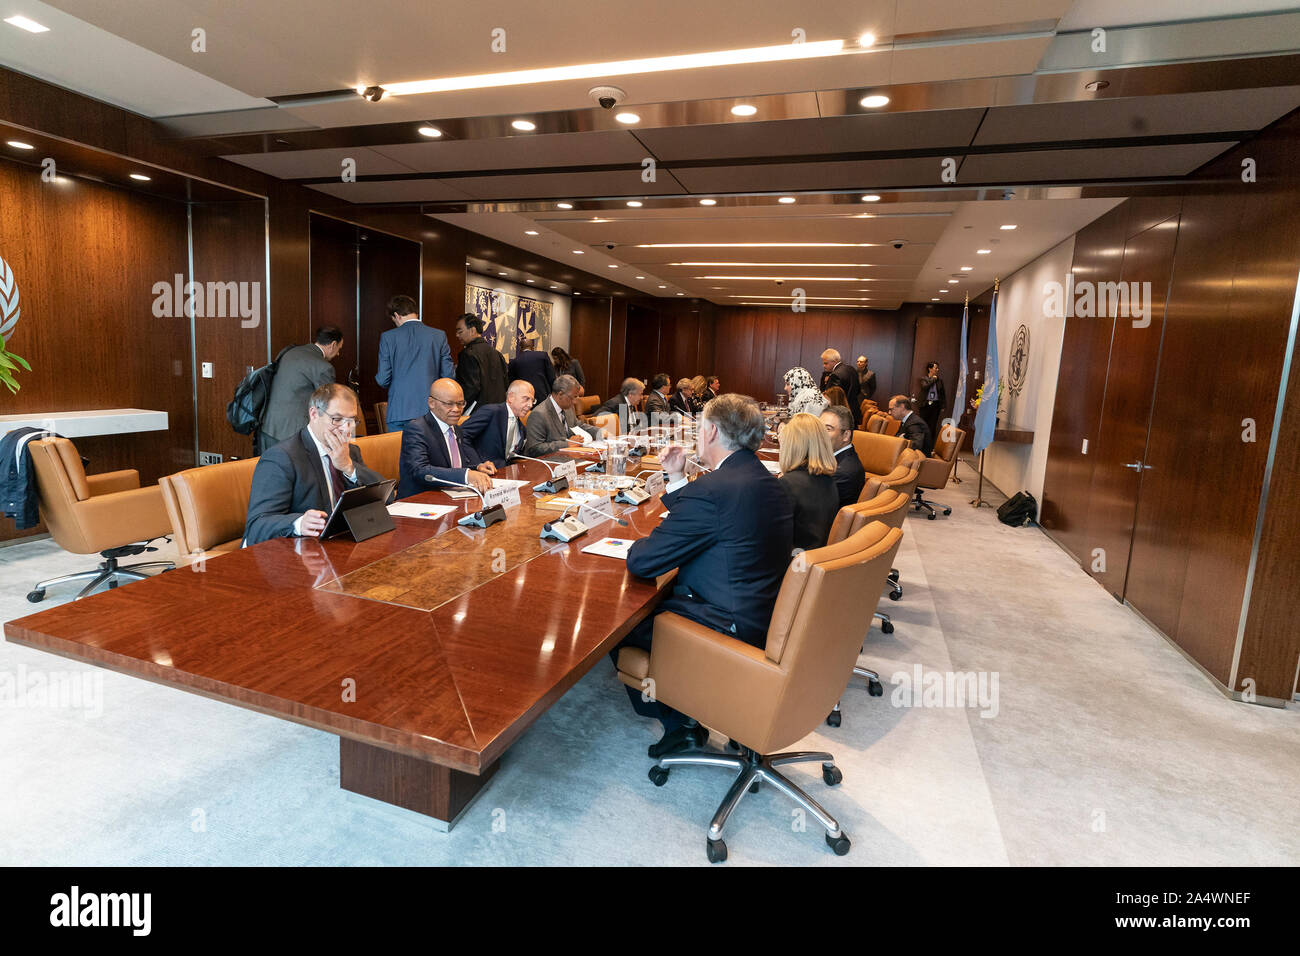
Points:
(1018, 509)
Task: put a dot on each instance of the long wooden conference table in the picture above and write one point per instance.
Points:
(428, 650)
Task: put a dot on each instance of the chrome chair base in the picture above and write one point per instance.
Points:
(108, 572)
(752, 770)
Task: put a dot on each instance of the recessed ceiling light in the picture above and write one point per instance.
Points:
(663, 287)
(708, 202)
(612, 266)
(141, 177)
(564, 205)
(530, 232)
(681, 293)
(967, 268)
(555, 287)
(786, 199)
(743, 109)
(945, 290)
(628, 118)
(1008, 226)
(500, 273)
(867, 39)
(640, 277)
(577, 252)
(874, 102)
(935, 299)
(524, 126)
(952, 281)
(431, 131)
(528, 280)
(22, 23)
(634, 203)
(19, 144)
(871, 197)
(576, 292)
(982, 252)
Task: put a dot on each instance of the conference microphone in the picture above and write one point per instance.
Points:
(621, 520)
(552, 484)
(568, 528)
(479, 519)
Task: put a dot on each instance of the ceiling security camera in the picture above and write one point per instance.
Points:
(607, 96)
(779, 281)
(611, 245)
(898, 243)
(374, 93)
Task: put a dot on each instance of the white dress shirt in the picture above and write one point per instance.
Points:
(323, 454)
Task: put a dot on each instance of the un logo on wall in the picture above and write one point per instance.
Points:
(1018, 367)
(9, 311)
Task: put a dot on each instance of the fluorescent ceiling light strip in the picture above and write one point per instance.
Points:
(811, 298)
(785, 265)
(23, 23)
(753, 245)
(612, 68)
(790, 278)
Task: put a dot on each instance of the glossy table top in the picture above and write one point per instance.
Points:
(486, 627)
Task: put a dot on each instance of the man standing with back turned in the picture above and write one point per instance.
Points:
(302, 370)
(729, 534)
(411, 357)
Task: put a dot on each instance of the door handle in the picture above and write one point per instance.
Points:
(1135, 465)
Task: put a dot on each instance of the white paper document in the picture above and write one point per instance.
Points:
(610, 548)
(404, 509)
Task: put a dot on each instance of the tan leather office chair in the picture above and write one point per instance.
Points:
(383, 453)
(107, 513)
(208, 508)
(874, 423)
(878, 453)
(936, 470)
(586, 403)
(607, 423)
(771, 697)
(381, 417)
(890, 508)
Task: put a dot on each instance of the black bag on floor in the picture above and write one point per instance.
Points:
(1018, 509)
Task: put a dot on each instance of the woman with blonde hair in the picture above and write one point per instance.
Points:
(699, 384)
(807, 473)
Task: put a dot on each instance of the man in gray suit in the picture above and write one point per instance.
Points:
(550, 424)
(657, 409)
(411, 358)
(302, 370)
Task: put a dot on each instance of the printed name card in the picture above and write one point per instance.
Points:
(568, 470)
(654, 485)
(590, 516)
(506, 497)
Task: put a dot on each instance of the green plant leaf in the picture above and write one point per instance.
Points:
(20, 360)
(4, 361)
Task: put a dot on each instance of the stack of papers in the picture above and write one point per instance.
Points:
(610, 548)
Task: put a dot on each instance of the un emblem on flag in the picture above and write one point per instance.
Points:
(1019, 360)
(9, 311)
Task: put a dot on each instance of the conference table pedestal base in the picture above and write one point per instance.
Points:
(411, 783)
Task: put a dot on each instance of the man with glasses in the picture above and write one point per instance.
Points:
(554, 424)
(434, 451)
(297, 482)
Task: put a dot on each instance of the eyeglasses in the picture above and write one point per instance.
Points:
(337, 420)
(460, 404)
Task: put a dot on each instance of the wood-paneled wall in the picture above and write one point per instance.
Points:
(1220, 358)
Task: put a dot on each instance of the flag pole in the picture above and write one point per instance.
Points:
(979, 501)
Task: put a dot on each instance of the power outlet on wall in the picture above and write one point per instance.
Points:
(209, 458)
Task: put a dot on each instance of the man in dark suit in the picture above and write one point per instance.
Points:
(729, 534)
(714, 389)
(297, 482)
(497, 431)
(624, 405)
(657, 409)
(933, 397)
(554, 422)
(411, 356)
(534, 367)
(480, 369)
(914, 427)
(433, 450)
(850, 476)
(835, 372)
(302, 370)
(866, 380)
(681, 402)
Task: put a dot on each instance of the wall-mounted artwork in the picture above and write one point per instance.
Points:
(509, 319)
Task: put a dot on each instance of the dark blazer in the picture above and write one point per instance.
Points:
(481, 371)
(411, 357)
(288, 481)
(574, 369)
(866, 385)
(847, 379)
(850, 476)
(915, 430)
(424, 452)
(678, 403)
(486, 431)
(628, 417)
(656, 407)
(548, 432)
(729, 534)
(816, 501)
(537, 369)
(301, 371)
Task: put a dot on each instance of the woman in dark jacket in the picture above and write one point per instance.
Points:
(566, 364)
(807, 470)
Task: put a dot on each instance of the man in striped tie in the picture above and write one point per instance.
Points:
(432, 447)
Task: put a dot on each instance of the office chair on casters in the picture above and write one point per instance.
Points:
(768, 698)
(937, 469)
(108, 513)
(889, 507)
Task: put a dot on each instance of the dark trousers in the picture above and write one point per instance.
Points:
(930, 412)
(641, 636)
